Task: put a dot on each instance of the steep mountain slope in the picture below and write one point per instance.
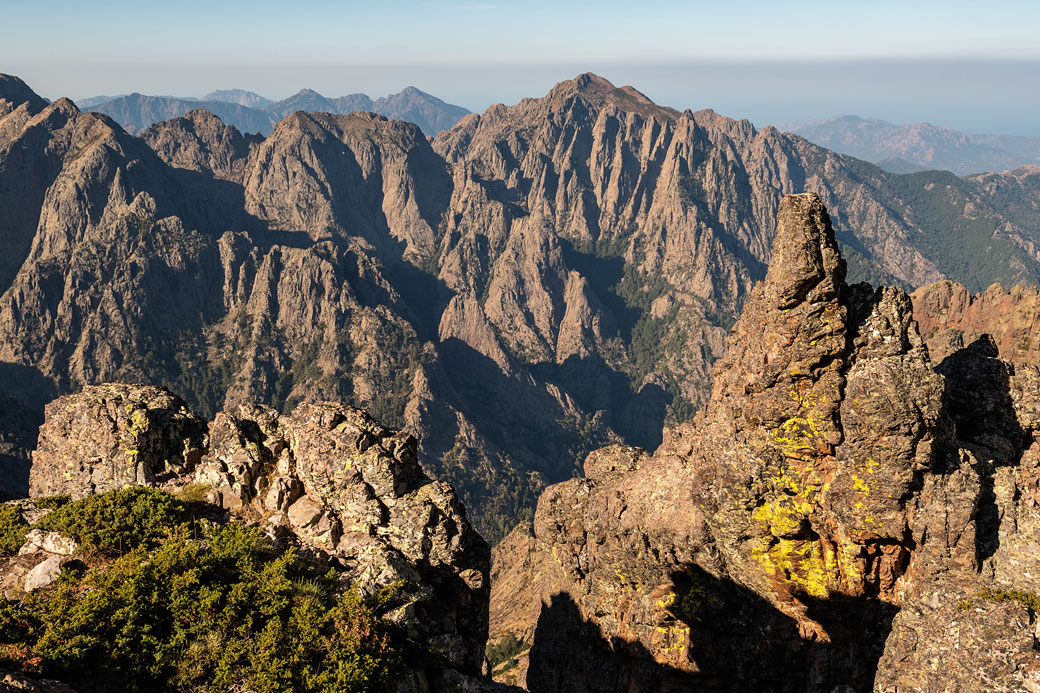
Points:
(346, 496)
(14, 92)
(837, 510)
(540, 280)
(893, 147)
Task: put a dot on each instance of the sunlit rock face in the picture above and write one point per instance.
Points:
(831, 492)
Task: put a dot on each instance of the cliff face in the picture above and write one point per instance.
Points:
(816, 526)
(325, 478)
(951, 318)
(540, 280)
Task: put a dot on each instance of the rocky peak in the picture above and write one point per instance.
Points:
(200, 141)
(395, 186)
(820, 491)
(600, 91)
(805, 264)
(16, 92)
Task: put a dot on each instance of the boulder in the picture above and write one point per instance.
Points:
(51, 542)
(44, 574)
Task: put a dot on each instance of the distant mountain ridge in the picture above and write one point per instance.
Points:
(921, 146)
(239, 96)
(250, 112)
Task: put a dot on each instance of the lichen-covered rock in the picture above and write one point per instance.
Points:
(37, 540)
(942, 643)
(326, 477)
(835, 477)
(113, 435)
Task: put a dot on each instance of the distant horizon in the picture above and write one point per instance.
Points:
(976, 96)
(964, 65)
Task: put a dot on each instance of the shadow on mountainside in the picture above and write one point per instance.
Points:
(517, 413)
(737, 642)
(514, 412)
(23, 393)
(637, 415)
(978, 396)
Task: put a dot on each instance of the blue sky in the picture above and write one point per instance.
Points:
(967, 64)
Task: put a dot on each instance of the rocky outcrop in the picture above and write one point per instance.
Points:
(835, 488)
(952, 318)
(325, 477)
(111, 436)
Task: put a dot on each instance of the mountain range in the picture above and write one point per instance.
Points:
(536, 281)
(251, 113)
(919, 147)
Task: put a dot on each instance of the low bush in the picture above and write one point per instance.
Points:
(186, 604)
(12, 530)
(119, 521)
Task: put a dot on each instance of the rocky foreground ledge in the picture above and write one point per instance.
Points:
(842, 516)
(326, 479)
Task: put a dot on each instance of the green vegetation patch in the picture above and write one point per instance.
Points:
(12, 530)
(185, 604)
(505, 650)
(965, 247)
(1027, 599)
(119, 521)
(51, 502)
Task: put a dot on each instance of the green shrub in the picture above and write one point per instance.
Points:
(12, 530)
(52, 502)
(1027, 599)
(505, 649)
(116, 522)
(207, 608)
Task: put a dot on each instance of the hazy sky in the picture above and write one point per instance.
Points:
(971, 65)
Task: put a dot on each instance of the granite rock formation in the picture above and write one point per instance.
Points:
(951, 318)
(837, 512)
(325, 477)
